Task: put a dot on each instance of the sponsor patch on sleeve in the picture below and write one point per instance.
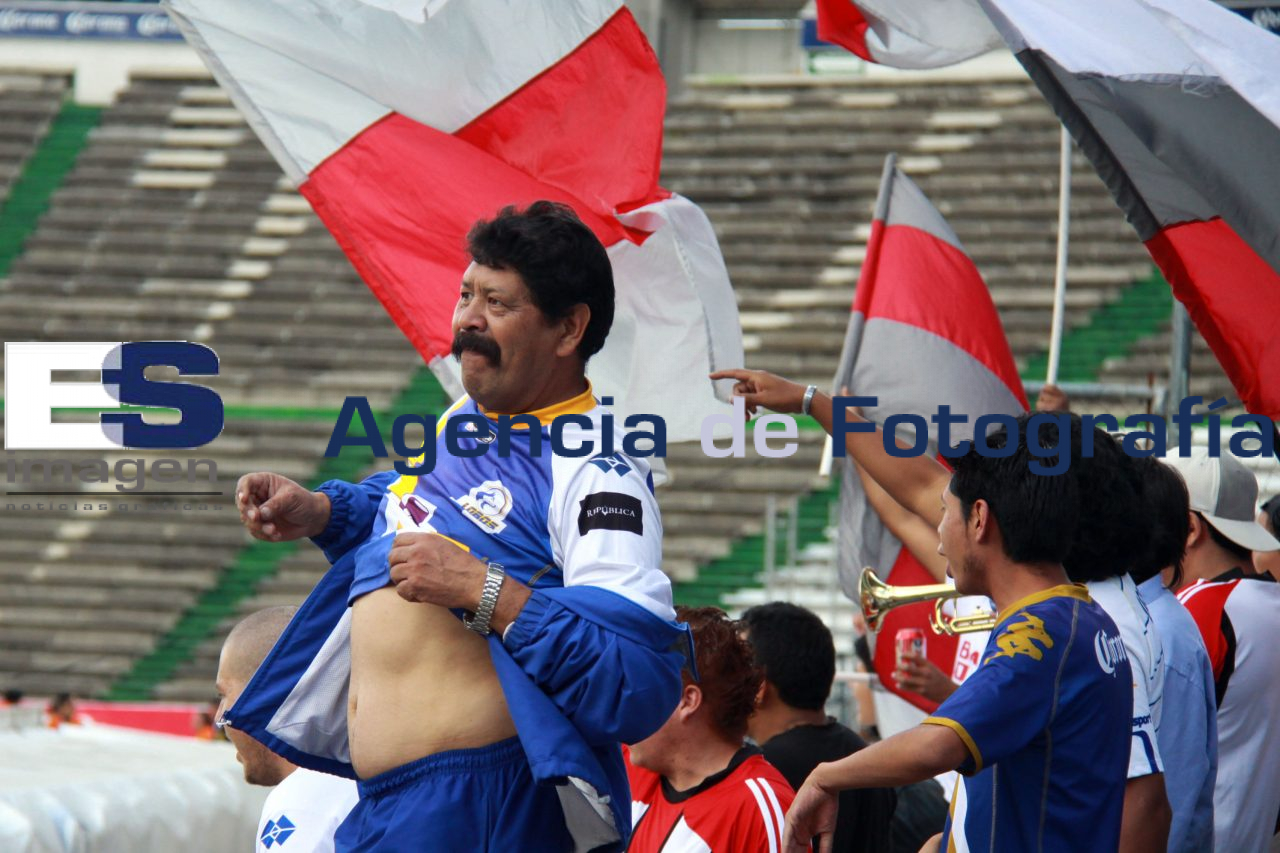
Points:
(610, 511)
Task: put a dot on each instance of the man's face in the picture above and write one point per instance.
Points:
(504, 342)
(652, 752)
(261, 765)
(955, 545)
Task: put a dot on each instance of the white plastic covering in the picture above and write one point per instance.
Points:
(100, 789)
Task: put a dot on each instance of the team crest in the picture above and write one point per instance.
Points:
(487, 506)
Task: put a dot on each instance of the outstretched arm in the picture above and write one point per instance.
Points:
(915, 482)
(910, 529)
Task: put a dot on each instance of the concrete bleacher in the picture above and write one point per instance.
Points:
(175, 223)
(28, 104)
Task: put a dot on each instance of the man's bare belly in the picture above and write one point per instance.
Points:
(421, 683)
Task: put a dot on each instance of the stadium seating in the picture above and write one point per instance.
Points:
(175, 223)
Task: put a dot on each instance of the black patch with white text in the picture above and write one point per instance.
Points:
(610, 511)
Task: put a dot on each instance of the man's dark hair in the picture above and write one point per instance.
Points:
(727, 674)
(796, 651)
(1235, 549)
(1113, 532)
(558, 258)
(13, 696)
(1164, 497)
(1037, 513)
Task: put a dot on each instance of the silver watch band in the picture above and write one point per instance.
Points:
(488, 600)
(807, 402)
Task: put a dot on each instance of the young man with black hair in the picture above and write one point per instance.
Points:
(1236, 611)
(695, 786)
(491, 630)
(798, 657)
(1100, 555)
(1040, 730)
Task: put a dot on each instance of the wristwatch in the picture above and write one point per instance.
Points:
(488, 600)
(807, 402)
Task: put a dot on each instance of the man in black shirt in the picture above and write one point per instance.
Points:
(798, 656)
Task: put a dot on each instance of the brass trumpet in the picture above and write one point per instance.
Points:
(878, 598)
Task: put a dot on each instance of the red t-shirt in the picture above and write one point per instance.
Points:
(740, 808)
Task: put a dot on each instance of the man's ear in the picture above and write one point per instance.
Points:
(980, 523)
(1196, 532)
(762, 693)
(572, 327)
(690, 701)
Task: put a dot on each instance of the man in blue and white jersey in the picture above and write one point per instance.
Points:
(493, 628)
(1041, 729)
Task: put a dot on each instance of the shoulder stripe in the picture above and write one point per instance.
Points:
(765, 815)
(773, 804)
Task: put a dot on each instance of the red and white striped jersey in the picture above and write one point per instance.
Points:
(1240, 622)
(740, 808)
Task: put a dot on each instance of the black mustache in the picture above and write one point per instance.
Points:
(479, 344)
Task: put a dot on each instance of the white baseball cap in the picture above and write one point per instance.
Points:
(1226, 494)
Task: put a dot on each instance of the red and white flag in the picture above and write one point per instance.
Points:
(923, 333)
(908, 33)
(405, 122)
(1176, 104)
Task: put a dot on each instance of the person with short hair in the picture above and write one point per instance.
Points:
(1236, 611)
(1100, 556)
(695, 785)
(798, 657)
(493, 627)
(305, 807)
(1188, 733)
(1041, 729)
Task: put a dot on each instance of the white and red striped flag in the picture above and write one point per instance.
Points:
(923, 333)
(405, 122)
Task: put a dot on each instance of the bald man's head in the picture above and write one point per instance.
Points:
(245, 649)
(250, 641)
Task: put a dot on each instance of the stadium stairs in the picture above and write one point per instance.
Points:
(175, 223)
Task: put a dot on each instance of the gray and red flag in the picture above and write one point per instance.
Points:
(923, 333)
(1175, 102)
(405, 121)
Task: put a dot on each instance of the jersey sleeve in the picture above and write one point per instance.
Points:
(352, 509)
(1144, 755)
(606, 530)
(1009, 698)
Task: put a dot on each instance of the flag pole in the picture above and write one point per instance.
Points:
(1060, 268)
(853, 332)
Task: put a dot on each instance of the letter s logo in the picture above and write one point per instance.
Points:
(201, 407)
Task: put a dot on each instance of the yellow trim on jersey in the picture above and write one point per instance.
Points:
(964, 736)
(579, 405)
(1067, 590)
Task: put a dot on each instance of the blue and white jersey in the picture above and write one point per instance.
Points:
(303, 812)
(550, 520)
(592, 661)
(1119, 597)
(1046, 721)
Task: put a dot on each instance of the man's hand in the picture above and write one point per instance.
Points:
(812, 814)
(917, 674)
(276, 509)
(431, 569)
(1053, 399)
(759, 388)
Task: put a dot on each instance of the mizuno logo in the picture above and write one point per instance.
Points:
(277, 832)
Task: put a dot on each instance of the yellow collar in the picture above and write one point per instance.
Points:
(581, 404)
(1069, 590)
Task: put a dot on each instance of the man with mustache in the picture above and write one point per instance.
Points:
(491, 630)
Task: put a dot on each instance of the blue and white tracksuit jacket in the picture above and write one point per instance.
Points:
(594, 658)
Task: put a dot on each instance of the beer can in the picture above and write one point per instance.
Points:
(909, 640)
